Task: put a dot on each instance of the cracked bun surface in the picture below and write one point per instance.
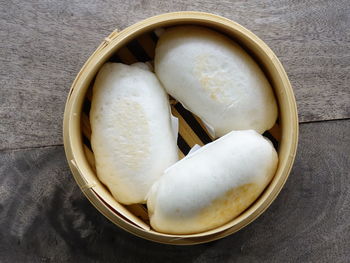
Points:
(133, 138)
(213, 77)
(212, 185)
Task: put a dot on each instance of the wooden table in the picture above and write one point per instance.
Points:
(45, 218)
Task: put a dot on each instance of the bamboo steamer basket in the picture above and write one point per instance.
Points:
(137, 43)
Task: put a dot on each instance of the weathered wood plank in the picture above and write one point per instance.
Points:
(44, 44)
(45, 217)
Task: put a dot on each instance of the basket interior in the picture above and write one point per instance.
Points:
(191, 129)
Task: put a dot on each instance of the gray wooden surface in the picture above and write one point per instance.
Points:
(44, 44)
(43, 215)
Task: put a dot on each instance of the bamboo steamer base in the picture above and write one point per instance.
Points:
(137, 43)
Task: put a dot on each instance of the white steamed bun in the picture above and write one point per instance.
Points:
(132, 134)
(216, 79)
(213, 185)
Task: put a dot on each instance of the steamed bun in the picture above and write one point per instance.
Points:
(213, 185)
(132, 134)
(216, 79)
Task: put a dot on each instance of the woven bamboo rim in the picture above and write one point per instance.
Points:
(76, 128)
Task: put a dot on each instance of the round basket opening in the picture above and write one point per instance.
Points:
(137, 43)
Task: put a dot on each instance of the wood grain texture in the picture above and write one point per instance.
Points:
(45, 218)
(43, 44)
